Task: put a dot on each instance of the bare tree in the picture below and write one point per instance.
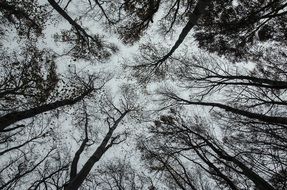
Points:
(249, 110)
(187, 141)
(114, 116)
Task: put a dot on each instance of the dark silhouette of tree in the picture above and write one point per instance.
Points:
(180, 141)
(25, 83)
(251, 114)
(114, 117)
(229, 28)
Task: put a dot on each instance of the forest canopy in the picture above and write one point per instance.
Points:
(143, 94)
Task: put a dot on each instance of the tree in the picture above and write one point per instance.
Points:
(250, 111)
(233, 29)
(31, 91)
(38, 93)
(251, 102)
(21, 141)
(114, 116)
(181, 142)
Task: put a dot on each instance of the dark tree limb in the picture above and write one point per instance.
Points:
(193, 19)
(16, 116)
(251, 115)
(251, 81)
(85, 36)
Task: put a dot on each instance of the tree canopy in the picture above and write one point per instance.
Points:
(143, 94)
